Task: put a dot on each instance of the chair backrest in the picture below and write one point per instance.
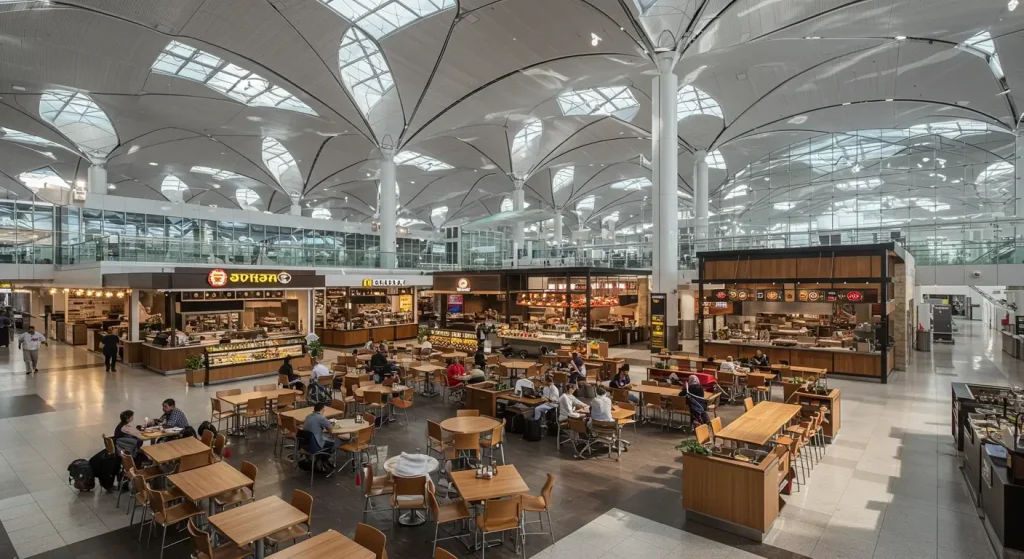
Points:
(337, 404)
(369, 418)
(434, 431)
(219, 442)
(256, 406)
(367, 382)
(546, 491)
(577, 425)
(108, 443)
(679, 402)
(249, 470)
(499, 512)
(755, 381)
(326, 380)
(467, 441)
(371, 538)
(200, 540)
(627, 405)
(472, 412)
(649, 382)
(303, 501)
(560, 378)
(126, 461)
(413, 486)
(748, 404)
(265, 387)
(726, 377)
(703, 433)
(603, 427)
(368, 480)
(208, 437)
(217, 405)
(365, 435)
(286, 399)
(193, 461)
(716, 425)
(497, 433)
(282, 380)
(620, 395)
(407, 395)
(435, 508)
(155, 501)
(228, 392)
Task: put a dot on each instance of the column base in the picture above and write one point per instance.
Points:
(672, 337)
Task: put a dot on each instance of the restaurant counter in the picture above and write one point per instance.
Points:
(737, 497)
(1002, 500)
(359, 336)
(839, 361)
(616, 335)
(170, 360)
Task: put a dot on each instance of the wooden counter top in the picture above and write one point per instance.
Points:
(759, 424)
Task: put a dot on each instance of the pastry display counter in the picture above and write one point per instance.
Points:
(446, 338)
(840, 361)
(227, 362)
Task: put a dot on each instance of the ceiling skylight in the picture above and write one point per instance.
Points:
(321, 213)
(218, 174)
(81, 120)
(586, 204)
(631, 184)
(246, 197)
(363, 69)
(715, 160)
(506, 205)
(562, 180)
(739, 190)
(380, 18)
(173, 188)
(784, 206)
(526, 136)
(12, 135)
(605, 101)
(692, 101)
(44, 177)
(859, 184)
(999, 171)
(930, 205)
(424, 162)
(276, 158)
(982, 43)
(244, 86)
(438, 216)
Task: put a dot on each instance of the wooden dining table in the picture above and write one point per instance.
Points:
(758, 425)
(469, 424)
(252, 522)
(162, 453)
(517, 365)
(508, 483)
(236, 401)
(301, 414)
(326, 545)
(428, 370)
(209, 481)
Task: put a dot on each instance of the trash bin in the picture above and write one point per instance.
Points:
(924, 340)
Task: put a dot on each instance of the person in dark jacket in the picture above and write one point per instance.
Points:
(124, 437)
(110, 343)
(294, 380)
(479, 359)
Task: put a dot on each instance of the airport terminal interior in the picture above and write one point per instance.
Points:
(562, 279)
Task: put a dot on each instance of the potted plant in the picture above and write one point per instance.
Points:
(422, 334)
(694, 447)
(195, 373)
(791, 385)
(316, 349)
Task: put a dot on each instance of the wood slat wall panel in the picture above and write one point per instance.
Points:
(854, 267)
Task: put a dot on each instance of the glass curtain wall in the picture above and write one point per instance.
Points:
(26, 232)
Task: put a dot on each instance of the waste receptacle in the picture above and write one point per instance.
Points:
(924, 340)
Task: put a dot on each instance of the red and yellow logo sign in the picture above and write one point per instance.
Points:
(217, 278)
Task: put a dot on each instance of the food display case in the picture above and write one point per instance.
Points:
(452, 339)
(232, 361)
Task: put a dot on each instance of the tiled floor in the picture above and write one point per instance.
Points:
(888, 488)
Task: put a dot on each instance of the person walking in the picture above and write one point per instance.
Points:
(5, 330)
(110, 343)
(28, 343)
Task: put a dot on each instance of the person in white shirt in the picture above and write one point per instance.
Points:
(319, 370)
(370, 346)
(549, 393)
(601, 407)
(728, 366)
(29, 342)
(569, 405)
(520, 383)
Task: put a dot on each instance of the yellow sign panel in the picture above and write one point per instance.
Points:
(405, 303)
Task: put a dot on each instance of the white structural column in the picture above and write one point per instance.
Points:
(518, 235)
(666, 188)
(1018, 180)
(133, 316)
(296, 207)
(558, 228)
(655, 176)
(388, 210)
(97, 179)
(700, 198)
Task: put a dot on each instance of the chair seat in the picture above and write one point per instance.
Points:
(228, 551)
(288, 534)
(534, 503)
(381, 488)
(170, 494)
(408, 502)
(150, 472)
(233, 497)
(222, 414)
(488, 443)
(177, 513)
(401, 404)
(494, 526)
(453, 512)
(354, 447)
(797, 430)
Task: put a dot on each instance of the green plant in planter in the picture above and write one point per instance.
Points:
(694, 447)
(193, 362)
(661, 365)
(316, 349)
(422, 334)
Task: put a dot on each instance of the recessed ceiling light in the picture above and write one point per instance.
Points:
(153, 163)
(1011, 5)
(901, 37)
(412, 182)
(17, 88)
(215, 185)
(812, 37)
(888, 100)
(846, 103)
(111, 187)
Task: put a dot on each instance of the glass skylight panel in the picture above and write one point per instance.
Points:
(321, 213)
(859, 184)
(12, 135)
(631, 184)
(610, 218)
(506, 205)
(380, 18)
(246, 197)
(930, 205)
(526, 136)
(79, 118)
(44, 177)
(715, 160)
(644, 5)
(784, 206)
(424, 162)
(692, 101)
(363, 69)
(438, 215)
(606, 101)
(276, 158)
(244, 86)
(731, 209)
(563, 179)
(1000, 171)
(173, 188)
(982, 42)
(218, 174)
(739, 190)
(586, 204)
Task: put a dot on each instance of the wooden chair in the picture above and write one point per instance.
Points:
(581, 435)
(440, 553)
(204, 547)
(716, 425)
(502, 515)
(620, 395)
(703, 434)
(220, 411)
(654, 405)
(167, 516)
(207, 438)
(359, 445)
(712, 402)
(540, 504)
(438, 441)
(466, 443)
(220, 442)
(748, 404)
(467, 413)
(372, 539)
(197, 460)
(758, 389)
(304, 502)
(285, 402)
(286, 430)
(783, 453)
(409, 494)
(255, 409)
(282, 381)
(631, 421)
(375, 486)
(495, 441)
(264, 388)
(241, 495)
(608, 432)
(404, 402)
(677, 405)
(448, 513)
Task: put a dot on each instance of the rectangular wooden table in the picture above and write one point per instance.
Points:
(209, 481)
(508, 483)
(324, 545)
(301, 414)
(759, 424)
(238, 400)
(253, 522)
(428, 370)
(161, 453)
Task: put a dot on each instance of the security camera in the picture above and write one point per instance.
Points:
(976, 274)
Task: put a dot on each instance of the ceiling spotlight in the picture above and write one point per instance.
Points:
(888, 100)
(153, 163)
(846, 103)
(901, 37)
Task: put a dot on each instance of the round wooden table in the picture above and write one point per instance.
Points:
(464, 425)
(347, 426)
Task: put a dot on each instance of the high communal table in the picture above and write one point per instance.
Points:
(237, 401)
(515, 365)
(758, 425)
(209, 481)
(324, 545)
(252, 522)
(162, 453)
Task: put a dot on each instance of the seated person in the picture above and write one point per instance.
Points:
(600, 407)
(369, 346)
(578, 362)
(380, 365)
(319, 370)
(474, 376)
(694, 394)
(622, 380)
(673, 379)
(426, 345)
(728, 366)
(576, 376)
(455, 370)
(171, 418)
(520, 383)
(479, 359)
(317, 424)
(294, 381)
(550, 394)
(569, 405)
(760, 360)
(124, 435)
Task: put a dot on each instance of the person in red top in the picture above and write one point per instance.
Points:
(455, 370)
